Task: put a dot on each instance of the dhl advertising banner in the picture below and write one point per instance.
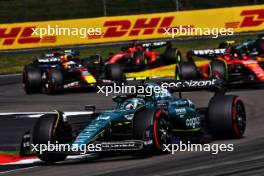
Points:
(125, 28)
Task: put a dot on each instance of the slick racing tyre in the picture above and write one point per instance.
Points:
(32, 79)
(139, 59)
(218, 69)
(55, 81)
(226, 117)
(47, 129)
(186, 71)
(92, 61)
(114, 72)
(152, 125)
(260, 46)
(171, 56)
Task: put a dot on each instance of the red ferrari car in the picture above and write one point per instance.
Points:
(227, 63)
(140, 56)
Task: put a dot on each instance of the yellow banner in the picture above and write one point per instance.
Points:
(125, 28)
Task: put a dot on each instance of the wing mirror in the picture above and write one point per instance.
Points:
(89, 108)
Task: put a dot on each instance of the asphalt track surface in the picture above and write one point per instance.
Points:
(246, 159)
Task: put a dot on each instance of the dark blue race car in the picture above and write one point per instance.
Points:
(35, 74)
(63, 70)
(140, 123)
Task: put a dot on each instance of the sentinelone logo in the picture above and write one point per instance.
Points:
(155, 89)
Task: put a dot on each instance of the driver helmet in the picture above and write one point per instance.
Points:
(66, 57)
(68, 64)
(161, 94)
(133, 103)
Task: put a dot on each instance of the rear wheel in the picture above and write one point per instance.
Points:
(152, 125)
(139, 59)
(218, 69)
(260, 46)
(171, 56)
(55, 81)
(226, 117)
(32, 79)
(47, 129)
(92, 61)
(114, 72)
(186, 71)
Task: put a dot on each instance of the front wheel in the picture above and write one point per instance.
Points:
(114, 72)
(139, 59)
(32, 79)
(226, 117)
(171, 56)
(218, 69)
(186, 71)
(47, 130)
(55, 81)
(152, 125)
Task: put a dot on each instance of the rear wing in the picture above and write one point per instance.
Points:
(213, 85)
(147, 45)
(191, 85)
(173, 85)
(207, 53)
(217, 86)
(154, 45)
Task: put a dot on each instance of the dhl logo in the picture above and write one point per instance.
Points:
(131, 27)
(252, 18)
(142, 26)
(22, 35)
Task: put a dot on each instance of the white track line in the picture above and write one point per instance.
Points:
(233, 162)
(20, 169)
(38, 114)
(31, 161)
(24, 161)
(10, 75)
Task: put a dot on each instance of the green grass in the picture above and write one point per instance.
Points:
(11, 152)
(13, 63)
(34, 10)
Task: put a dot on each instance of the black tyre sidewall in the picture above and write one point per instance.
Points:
(222, 118)
(218, 67)
(44, 131)
(259, 46)
(141, 56)
(144, 120)
(55, 81)
(186, 71)
(114, 72)
(171, 56)
(32, 79)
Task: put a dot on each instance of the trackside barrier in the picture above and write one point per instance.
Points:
(127, 28)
